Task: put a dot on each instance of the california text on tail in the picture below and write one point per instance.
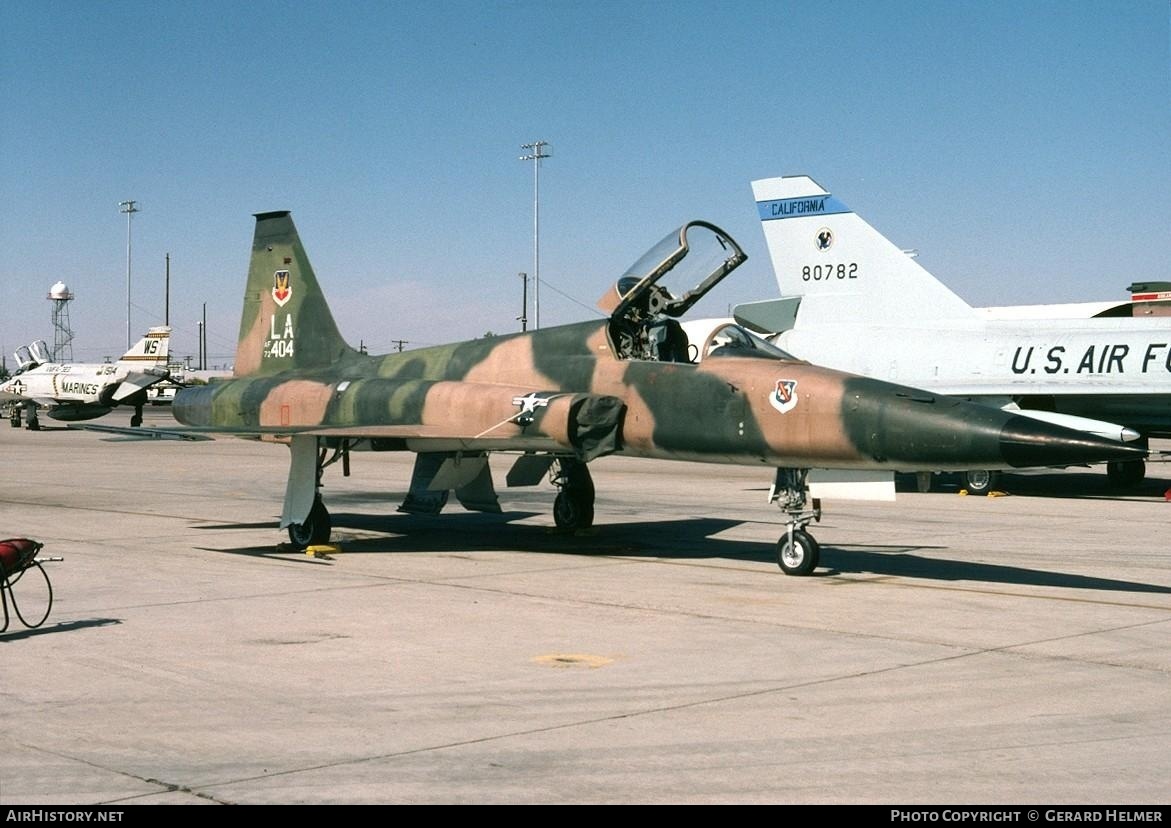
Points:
(825, 253)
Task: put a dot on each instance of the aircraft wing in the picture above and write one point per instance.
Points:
(137, 381)
(143, 432)
(419, 438)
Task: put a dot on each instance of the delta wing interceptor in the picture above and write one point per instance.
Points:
(630, 384)
(1098, 367)
(72, 391)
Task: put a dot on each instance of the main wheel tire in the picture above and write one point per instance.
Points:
(801, 556)
(573, 510)
(314, 530)
(1125, 474)
(981, 481)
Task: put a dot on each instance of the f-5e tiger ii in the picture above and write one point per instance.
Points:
(631, 384)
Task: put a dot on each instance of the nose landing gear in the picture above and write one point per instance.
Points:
(797, 552)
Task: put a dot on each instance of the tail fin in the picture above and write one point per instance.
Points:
(152, 349)
(841, 267)
(286, 322)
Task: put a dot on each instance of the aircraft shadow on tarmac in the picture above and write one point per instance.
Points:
(856, 559)
(1088, 485)
(65, 626)
(682, 539)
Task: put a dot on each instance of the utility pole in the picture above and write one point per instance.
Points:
(129, 208)
(535, 154)
(399, 343)
(524, 302)
(167, 293)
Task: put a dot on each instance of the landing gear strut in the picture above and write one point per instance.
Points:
(574, 507)
(797, 552)
(317, 526)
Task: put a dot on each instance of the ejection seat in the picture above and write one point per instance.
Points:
(670, 342)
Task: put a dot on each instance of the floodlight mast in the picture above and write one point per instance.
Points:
(537, 151)
(129, 208)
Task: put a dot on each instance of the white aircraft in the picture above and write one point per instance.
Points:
(852, 300)
(76, 391)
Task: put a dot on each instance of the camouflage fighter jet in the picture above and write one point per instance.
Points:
(630, 384)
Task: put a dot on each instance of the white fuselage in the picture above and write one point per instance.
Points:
(1117, 370)
(65, 384)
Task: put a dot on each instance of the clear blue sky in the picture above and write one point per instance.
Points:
(1023, 147)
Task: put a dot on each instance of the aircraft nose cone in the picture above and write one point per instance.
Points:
(912, 430)
(1025, 442)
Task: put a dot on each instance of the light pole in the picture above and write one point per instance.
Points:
(537, 151)
(129, 208)
(524, 302)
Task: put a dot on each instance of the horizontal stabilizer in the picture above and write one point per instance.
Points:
(138, 381)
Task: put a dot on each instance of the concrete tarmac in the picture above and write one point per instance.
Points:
(948, 650)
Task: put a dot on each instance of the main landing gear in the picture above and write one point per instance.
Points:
(1125, 474)
(797, 552)
(316, 527)
(15, 410)
(574, 507)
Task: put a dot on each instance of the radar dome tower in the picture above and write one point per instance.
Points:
(61, 296)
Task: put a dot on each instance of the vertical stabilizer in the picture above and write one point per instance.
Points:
(286, 322)
(841, 267)
(152, 349)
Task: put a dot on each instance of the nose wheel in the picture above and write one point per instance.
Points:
(797, 552)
